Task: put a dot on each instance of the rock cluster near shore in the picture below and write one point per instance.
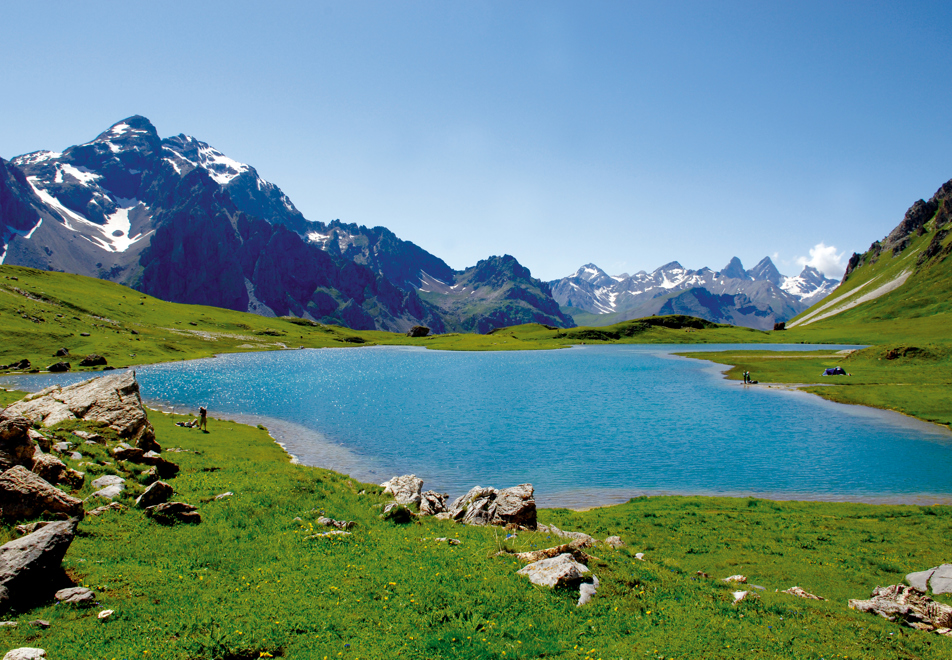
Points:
(32, 481)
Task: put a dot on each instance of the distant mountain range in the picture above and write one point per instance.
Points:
(177, 219)
(755, 298)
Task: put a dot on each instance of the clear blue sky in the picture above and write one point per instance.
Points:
(621, 133)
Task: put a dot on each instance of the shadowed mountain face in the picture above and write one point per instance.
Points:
(178, 219)
(755, 298)
(494, 293)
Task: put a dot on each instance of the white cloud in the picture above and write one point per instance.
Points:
(825, 259)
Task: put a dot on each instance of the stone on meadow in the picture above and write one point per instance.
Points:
(170, 513)
(908, 604)
(75, 596)
(25, 653)
(108, 493)
(614, 542)
(560, 571)
(27, 563)
(109, 480)
(396, 512)
(800, 593)
(405, 489)
(111, 399)
(158, 493)
(586, 540)
(939, 578)
(106, 508)
(27, 495)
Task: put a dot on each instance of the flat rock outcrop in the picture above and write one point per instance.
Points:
(75, 596)
(939, 578)
(908, 605)
(27, 563)
(113, 399)
(27, 495)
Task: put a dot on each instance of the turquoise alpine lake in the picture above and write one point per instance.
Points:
(587, 426)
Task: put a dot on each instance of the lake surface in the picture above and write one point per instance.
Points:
(586, 426)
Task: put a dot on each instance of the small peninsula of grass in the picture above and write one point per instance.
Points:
(252, 580)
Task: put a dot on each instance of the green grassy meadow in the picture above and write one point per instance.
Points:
(251, 581)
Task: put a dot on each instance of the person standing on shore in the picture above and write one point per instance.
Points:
(203, 418)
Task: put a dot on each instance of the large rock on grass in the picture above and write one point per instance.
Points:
(25, 653)
(405, 489)
(488, 506)
(170, 513)
(561, 571)
(157, 493)
(907, 604)
(27, 495)
(939, 578)
(16, 445)
(27, 564)
(113, 400)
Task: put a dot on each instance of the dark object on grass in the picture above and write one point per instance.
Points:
(397, 513)
(21, 365)
(780, 326)
(170, 513)
(834, 371)
(418, 331)
(93, 360)
(63, 352)
(83, 334)
(59, 366)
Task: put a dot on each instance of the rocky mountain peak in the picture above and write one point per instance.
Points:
(734, 269)
(766, 270)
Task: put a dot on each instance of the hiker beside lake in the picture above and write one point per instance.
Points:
(203, 418)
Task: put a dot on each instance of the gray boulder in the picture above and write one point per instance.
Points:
(561, 571)
(515, 506)
(28, 563)
(158, 493)
(27, 495)
(109, 480)
(75, 596)
(405, 489)
(58, 367)
(170, 513)
(488, 506)
(111, 399)
(584, 539)
(939, 578)
(16, 445)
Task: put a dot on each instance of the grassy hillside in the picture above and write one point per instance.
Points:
(896, 297)
(252, 580)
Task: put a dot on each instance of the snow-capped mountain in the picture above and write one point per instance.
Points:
(756, 298)
(180, 220)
